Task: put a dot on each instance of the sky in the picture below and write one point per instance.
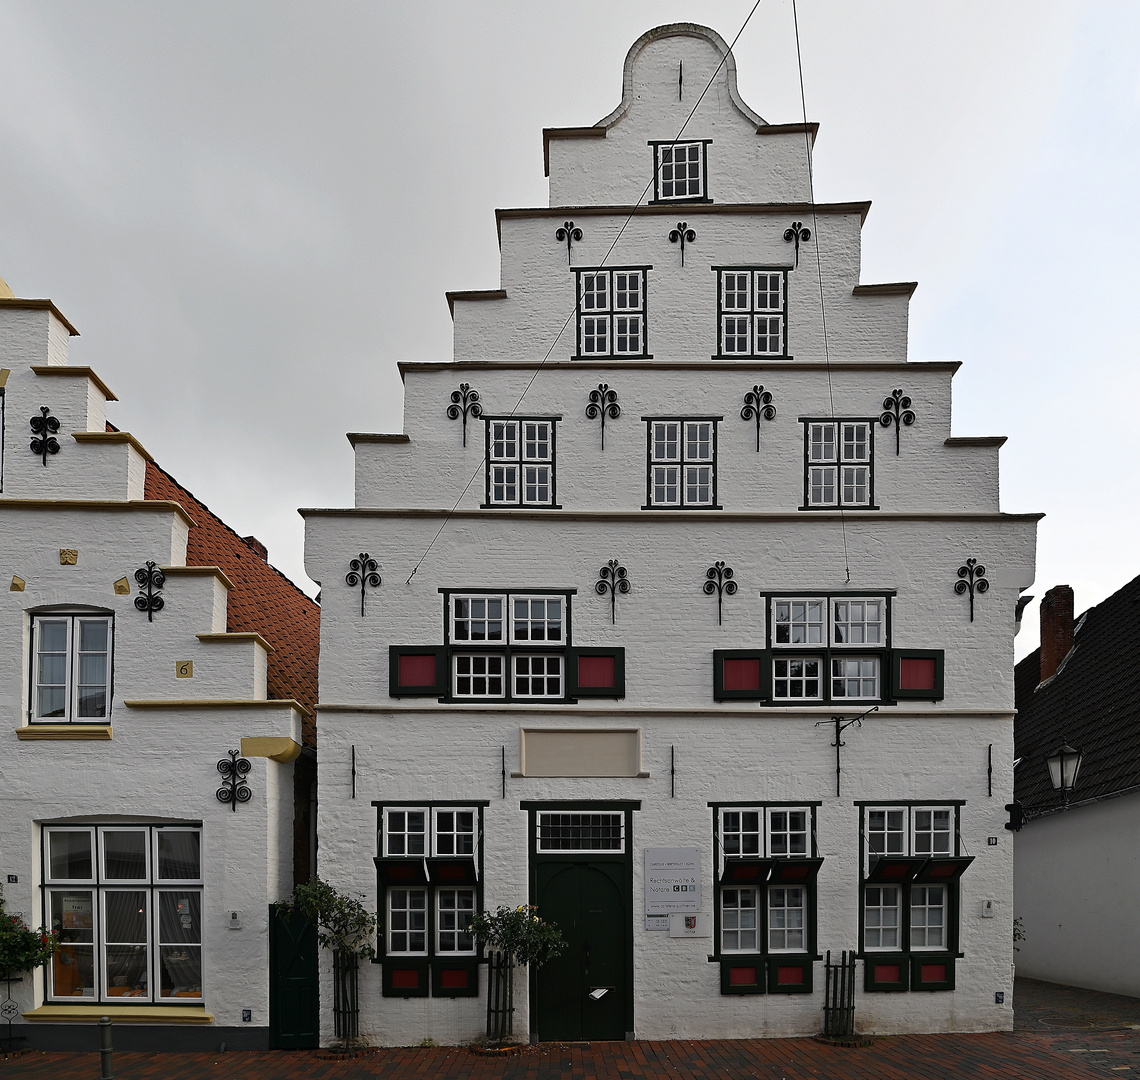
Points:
(252, 210)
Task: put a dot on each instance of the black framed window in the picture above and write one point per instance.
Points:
(911, 865)
(681, 463)
(766, 901)
(126, 901)
(71, 665)
(429, 869)
(520, 461)
(612, 311)
(680, 171)
(838, 463)
(752, 311)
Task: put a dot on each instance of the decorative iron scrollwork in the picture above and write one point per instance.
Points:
(603, 402)
(718, 579)
(971, 578)
(235, 787)
(570, 233)
(464, 402)
(363, 572)
(684, 235)
(897, 411)
(612, 579)
(797, 232)
(44, 428)
(152, 579)
(758, 406)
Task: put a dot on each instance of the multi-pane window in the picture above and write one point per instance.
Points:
(407, 921)
(682, 463)
(928, 916)
(126, 902)
(886, 831)
(405, 832)
(454, 832)
(522, 641)
(788, 832)
(455, 908)
(837, 467)
(572, 831)
(520, 462)
(752, 316)
(931, 830)
(881, 922)
(740, 832)
(71, 668)
(680, 171)
(739, 924)
(611, 312)
(828, 649)
(786, 919)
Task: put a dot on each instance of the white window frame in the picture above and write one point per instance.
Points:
(790, 658)
(897, 908)
(743, 315)
(769, 831)
(572, 813)
(503, 675)
(518, 473)
(148, 868)
(476, 643)
(545, 598)
(903, 831)
(661, 165)
(742, 832)
(439, 930)
(388, 832)
(834, 474)
(943, 906)
(876, 677)
(545, 694)
(603, 320)
(680, 469)
(756, 929)
(864, 623)
(914, 830)
(49, 878)
(71, 685)
(801, 908)
(807, 622)
(435, 831)
(389, 930)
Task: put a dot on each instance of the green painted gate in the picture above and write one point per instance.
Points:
(294, 983)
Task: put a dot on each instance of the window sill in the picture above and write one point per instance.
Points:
(157, 1014)
(73, 732)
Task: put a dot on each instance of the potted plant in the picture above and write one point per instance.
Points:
(512, 936)
(21, 949)
(346, 928)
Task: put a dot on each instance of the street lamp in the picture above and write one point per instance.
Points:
(1064, 764)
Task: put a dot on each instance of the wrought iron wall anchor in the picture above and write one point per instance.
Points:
(612, 579)
(603, 402)
(235, 788)
(758, 406)
(570, 233)
(151, 579)
(718, 579)
(684, 235)
(464, 402)
(972, 578)
(797, 232)
(44, 428)
(897, 411)
(840, 726)
(363, 571)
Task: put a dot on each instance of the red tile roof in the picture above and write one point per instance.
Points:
(262, 600)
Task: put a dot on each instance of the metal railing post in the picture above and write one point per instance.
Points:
(105, 1051)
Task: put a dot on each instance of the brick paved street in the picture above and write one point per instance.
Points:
(1022, 1056)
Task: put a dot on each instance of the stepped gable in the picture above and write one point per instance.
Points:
(262, 600)
(1092, 702)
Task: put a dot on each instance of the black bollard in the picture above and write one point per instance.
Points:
(107, 1072)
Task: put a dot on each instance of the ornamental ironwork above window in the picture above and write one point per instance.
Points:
(520, 461)
(680, 171)
(611, 312)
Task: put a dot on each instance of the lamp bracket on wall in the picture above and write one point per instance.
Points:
(842, 725)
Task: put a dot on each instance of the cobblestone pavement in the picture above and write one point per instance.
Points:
(1041, 1006)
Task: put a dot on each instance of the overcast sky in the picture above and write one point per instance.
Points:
(252, 210)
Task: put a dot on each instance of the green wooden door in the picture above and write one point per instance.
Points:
(584, 993)
(294, 987)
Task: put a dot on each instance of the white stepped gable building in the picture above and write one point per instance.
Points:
(501, 726)
(111, 831)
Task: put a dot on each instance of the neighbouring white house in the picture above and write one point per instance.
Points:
(144, 645)
(1077, 858)
(676, 509)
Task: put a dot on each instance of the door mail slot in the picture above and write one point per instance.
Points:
(599, 992)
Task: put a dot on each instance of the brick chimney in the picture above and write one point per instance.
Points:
(262, 552)
(1056, 629)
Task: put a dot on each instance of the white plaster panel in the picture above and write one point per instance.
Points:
(24, 337)
(1076, 878)
(58, 340)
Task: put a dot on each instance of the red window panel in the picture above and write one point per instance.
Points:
(789, 976)
(888, 973)
(417, 670)
(742, 976)
(917, 673)
(742, 674)
(454, 979)
(597, 671)
(406, 979)
(933, 973)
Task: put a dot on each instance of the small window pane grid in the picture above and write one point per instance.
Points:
(611, 312)
(407, 922)
(508, 623)
(681, 463)
(912, 917)
(839, 628)
(421, 832)
(680, 172)
(126, 902)
(838, 464)
(781, 924)
(521, 461)
(577, 831)
(455, 908)
(751, 312)
(71, 668)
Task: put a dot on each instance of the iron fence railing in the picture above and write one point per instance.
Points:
(839, 995)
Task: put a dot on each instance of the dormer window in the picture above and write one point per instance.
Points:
(680, 171)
